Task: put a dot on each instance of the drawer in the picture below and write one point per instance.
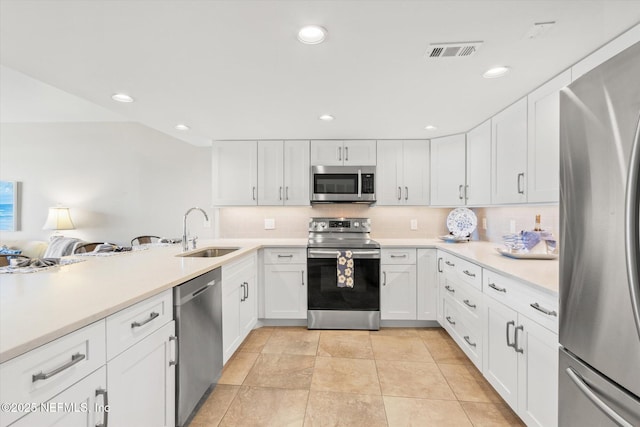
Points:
(239, 267)
(537, 305)
(285, 256)
(398, 256)
(470, 299)
(464, 330)
(44, 372)
(464, 271)
(128, 326)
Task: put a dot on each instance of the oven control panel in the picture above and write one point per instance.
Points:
(352, 225)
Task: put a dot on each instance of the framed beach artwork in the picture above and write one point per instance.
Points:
(9, 206)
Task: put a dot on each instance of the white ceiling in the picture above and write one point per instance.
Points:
(235, 70)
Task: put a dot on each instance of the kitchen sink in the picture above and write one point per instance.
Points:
(209, 252)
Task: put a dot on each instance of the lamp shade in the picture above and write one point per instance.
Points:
(58, 219)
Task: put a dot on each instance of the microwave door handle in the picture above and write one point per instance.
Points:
(359, 184)
(632, 228)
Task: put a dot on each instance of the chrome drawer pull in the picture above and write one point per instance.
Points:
(398, 256)
(285, 256)
(450, 289)
(466, 338)
(515, 346)
(105, 394)
(450, 321)
(450, 264)
(510, 323)
(544, 310)
(152, 316)
(439, 265)
(497, 288)
(469, 273)
(469, 304)
(76, 358)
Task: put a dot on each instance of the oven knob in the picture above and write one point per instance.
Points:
(356, 224)
(322, 225)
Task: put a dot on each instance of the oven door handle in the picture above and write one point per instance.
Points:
(359, 183)
(319, 253)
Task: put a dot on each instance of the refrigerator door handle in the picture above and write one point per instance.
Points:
(632, 225)
(584, 388)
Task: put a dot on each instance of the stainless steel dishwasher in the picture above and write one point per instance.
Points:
(198, 314)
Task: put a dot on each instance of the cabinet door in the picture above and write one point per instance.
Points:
(398, 292)
(249, 304)
(231, 300)
(327, 152)
(82, 407)
(142, 382)
(478, 189)
(537, 374)
(389, 172)
(500, 361)
(285, 291)
(509, 154)
(427, 283)
(415, 172)
(234, 173)
(296, 173)
(359, 153)
(543, 145)
(270, 173)
(448, 170)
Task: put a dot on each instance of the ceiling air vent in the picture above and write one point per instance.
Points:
(452, 50)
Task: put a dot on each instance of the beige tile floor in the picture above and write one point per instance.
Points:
(392, 377)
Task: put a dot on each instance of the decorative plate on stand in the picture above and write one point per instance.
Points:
(461, 222)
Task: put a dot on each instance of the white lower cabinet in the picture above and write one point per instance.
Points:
(521, 362)
(398, 287)
(285, 283)
(82, 405)
(239, 303)
(141, 382)
(427, 284)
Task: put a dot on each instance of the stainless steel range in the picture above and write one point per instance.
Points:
(343, 265)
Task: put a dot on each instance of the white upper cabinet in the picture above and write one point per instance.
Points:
(543, 182)
(234, 173)
(478, 187)
(283, 173)
(348, 152)
(402, 173)
(509, 154)
(448, 179)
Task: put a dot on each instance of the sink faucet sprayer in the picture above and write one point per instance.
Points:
(185, 243)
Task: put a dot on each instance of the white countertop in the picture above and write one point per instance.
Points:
(36, 308)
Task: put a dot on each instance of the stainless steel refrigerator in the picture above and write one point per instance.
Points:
(599, 375)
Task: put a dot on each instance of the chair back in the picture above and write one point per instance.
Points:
(90, 247)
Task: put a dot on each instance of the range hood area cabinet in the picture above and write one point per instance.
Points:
(343, 153)
(402, 173)
(269, 173)
(283, 173)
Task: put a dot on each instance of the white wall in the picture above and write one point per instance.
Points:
(120, 180)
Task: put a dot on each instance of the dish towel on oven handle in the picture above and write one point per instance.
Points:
(345, 269)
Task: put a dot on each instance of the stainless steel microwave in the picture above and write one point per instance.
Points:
(343, 184)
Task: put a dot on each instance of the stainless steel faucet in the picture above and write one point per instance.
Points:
(185, 243)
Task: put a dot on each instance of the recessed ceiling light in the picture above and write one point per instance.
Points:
(312, 34)
(430, 127)
(121, 97)
(495, 72)
(326, 117)
(182, 127)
